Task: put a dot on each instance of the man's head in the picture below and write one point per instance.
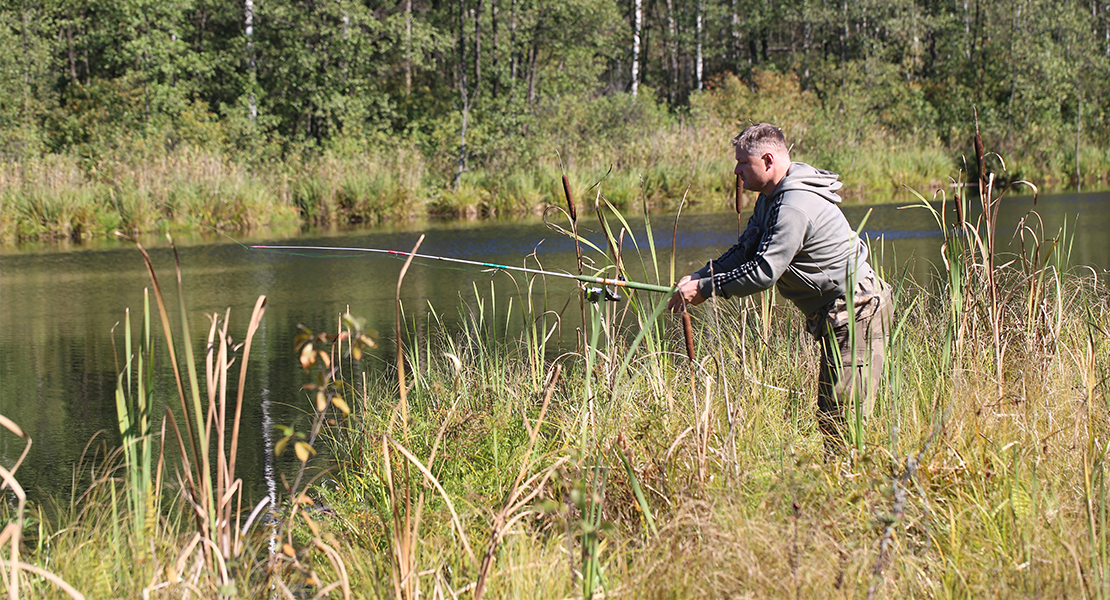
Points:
(762, 157)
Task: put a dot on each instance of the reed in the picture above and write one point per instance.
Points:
(650, 153)
(133, 411)
(14, 571)
(601, 470)
(954, 494)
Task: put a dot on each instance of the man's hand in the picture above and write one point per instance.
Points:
(686, 294)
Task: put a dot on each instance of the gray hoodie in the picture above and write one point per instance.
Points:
(797, 238)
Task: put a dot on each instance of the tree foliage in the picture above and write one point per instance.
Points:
(95, 76)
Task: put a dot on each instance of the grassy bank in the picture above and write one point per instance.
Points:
(633, 145)
(495, 465)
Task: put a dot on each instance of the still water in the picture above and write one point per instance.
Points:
(58, 306)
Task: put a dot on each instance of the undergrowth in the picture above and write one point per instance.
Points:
(489, 464)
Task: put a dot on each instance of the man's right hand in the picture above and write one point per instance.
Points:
(686, 294)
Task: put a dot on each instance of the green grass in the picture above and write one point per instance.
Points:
(998, 506)
(635, 147)
(507, 467)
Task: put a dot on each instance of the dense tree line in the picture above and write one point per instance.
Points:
(460, 77)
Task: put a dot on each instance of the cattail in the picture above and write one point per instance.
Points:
(570, 199)
(688, 333)
(979, 150)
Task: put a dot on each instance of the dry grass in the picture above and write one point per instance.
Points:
(506, 470)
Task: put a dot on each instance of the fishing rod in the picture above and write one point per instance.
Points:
(635, 285)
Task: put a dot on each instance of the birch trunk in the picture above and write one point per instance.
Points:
(408, 47)
(248, 18)
(493, 50)
(698, 64)
(672, 43)
(463, 94)
(735, 31)
(637, 18)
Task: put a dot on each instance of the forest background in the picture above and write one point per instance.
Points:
(148, 115)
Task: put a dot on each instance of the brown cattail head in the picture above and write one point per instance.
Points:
(979, 154)
(959, 211)
(570, 199)
(688, 333)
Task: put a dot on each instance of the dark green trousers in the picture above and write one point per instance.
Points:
(851, 368)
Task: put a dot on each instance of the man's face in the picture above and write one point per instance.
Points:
(753, 171)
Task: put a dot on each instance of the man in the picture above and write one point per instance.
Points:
(799, 239)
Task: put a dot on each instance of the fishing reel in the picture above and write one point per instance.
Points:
(602, 294)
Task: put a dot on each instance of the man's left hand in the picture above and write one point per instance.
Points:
(685, 295)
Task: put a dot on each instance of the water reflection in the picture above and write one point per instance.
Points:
(57, 308)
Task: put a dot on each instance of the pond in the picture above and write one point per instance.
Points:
(58, 306)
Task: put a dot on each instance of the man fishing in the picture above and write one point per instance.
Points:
(799, 239)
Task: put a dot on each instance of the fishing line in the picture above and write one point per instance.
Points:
(320, 255)
(350, 252)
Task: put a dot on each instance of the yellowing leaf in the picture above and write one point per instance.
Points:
(341, 404)
(304, 451)
(324, 358)
(356, 353)
(321, 401)
(288, 550)
(279, 447)
(369, 343)
(308, 356)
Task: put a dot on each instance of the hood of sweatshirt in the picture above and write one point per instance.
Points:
(801, 176)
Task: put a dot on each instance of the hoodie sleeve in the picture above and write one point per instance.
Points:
(735, 274)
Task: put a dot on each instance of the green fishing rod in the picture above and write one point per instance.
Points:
(649, 287)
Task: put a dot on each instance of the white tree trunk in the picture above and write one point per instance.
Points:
(672, 48)
(698, 64)
(637, 18)
(736, 32)
(408, 47)
(248, 18)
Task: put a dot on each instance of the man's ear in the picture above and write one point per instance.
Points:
(768, 160)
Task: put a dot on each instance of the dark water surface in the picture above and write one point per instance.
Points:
(59, 305)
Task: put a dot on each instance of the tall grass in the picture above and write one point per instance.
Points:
(495, 465)
(953, 489)
(63, 197)
(648, 152)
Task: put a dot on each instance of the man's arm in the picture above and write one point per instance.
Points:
(734, 274)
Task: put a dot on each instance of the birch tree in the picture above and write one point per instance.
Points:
(637, 20)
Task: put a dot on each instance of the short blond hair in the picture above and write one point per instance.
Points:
(760, 138)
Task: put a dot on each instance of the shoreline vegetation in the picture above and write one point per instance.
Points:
(639, 464)
(635, 147)
(185, 115)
